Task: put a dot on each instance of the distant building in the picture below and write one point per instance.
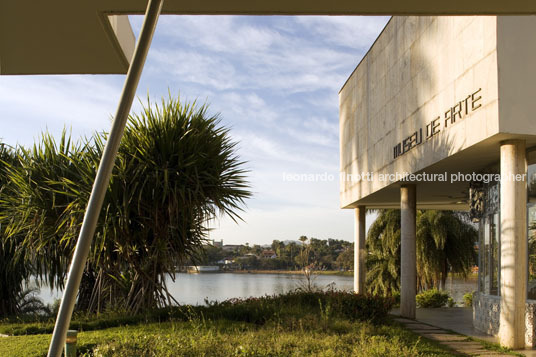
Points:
(203, 269)
(217, 244)
(270, 254)
(226, 261)
(231, 247)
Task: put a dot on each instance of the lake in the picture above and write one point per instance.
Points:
(195, 288)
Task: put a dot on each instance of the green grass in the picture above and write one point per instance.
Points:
(334, 272)
(302, 337)
(495, 347)
(296, 324)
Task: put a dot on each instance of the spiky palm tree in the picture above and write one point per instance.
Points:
(176, 170)
(14, 267)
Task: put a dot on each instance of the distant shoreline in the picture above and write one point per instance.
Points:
(290, 272)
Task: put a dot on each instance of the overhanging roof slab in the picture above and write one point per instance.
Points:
(75, 37)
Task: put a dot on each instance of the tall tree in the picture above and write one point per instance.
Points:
(383, 259)
(15, 268)
(445, 243)
(176, 170)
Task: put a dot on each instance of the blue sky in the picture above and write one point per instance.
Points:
(274, 80)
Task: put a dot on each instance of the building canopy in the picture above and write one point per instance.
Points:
(91, 37)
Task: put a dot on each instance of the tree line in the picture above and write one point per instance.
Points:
(321, 254)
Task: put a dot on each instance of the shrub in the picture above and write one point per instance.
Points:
(396, 298)
(432, 298)
(468, 299)
(258, 311)
(451, 302)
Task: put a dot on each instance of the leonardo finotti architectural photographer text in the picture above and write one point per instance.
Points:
(402, 176)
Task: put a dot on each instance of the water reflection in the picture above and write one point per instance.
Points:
(195, 288)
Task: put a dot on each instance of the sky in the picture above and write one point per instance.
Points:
(274, 80)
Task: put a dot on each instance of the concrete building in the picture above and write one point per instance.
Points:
(448, 102)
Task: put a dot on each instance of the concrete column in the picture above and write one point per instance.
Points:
(360, 250)
(408, 259)
(513, 230)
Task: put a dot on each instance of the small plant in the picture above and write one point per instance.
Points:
(324, 312)
(432, 298)
(396, 298)
(468, 299)
(451, 302)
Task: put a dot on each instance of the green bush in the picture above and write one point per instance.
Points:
(432, 298)
(330, 323)
(451, 302)
(396, 298)
(257, 311)
(468, 299)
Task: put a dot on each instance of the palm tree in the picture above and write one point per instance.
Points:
(383, 260)
(14, 267)
(44, 202)
(176, 170)
(445, 243)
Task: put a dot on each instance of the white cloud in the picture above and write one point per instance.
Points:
(249, 106)
(358, 32)
(237, 52)
(30, 105)
(263, 226)
(229, 34)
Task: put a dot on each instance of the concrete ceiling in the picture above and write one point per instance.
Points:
(449, 195)
(72, 37)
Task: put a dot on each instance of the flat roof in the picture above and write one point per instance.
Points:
(87, 37)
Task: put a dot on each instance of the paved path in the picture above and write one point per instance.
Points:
(459, 320)
(461, 344)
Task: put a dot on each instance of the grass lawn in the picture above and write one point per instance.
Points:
(291, 326)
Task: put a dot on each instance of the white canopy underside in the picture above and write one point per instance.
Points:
(86, 37)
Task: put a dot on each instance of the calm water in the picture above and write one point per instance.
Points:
(195, 288)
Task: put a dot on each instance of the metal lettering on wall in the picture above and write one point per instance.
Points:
(455, 113)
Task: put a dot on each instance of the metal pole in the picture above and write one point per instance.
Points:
(103, 179)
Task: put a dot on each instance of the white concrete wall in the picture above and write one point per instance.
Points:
(418, 68)
(517, 74)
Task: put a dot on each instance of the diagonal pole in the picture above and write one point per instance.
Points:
(103, 179)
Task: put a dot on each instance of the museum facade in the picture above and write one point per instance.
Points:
(439, 115)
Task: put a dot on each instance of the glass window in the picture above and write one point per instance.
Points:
(489, 248)
(484, 255)
(531, 230)
(531, 183)
(481, 256)
(494, 261)
(531, 227)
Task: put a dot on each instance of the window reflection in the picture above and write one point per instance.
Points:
(489, 248)
(531, 183)
(484, 253)
(531, 230)
(494, 254)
